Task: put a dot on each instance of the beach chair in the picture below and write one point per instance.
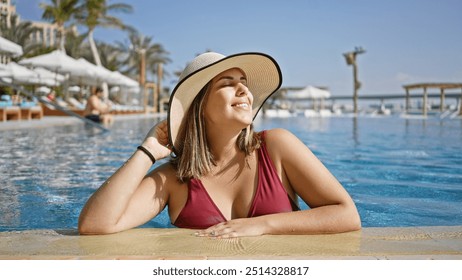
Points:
(49, 110)
(61, 102)
(31, 110)
(8, 111)
(75, 104)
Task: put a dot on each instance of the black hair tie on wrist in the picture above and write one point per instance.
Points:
(141, 148)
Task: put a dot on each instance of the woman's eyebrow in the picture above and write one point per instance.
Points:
(243, 78)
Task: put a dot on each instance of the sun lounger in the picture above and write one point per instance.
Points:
(49, 110)
(75, 104)
(30, 113)
(61, 102)
(10, 113)
(119, 109)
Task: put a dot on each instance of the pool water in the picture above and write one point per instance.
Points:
(400, 172)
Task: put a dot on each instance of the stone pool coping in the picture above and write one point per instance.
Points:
(49, 121)
(400, 243)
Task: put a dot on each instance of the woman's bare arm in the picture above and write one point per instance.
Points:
(332, 209)
(130, 197)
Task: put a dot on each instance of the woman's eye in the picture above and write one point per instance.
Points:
(226, 85)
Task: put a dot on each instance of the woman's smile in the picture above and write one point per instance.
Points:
(243, 105)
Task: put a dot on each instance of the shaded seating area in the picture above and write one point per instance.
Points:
(31, 110)
(26, 110)
(427, 86)
(9, 111)
(49, 110)
(77, 107)
(119, 109)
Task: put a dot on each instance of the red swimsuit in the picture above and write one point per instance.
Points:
(271, 197)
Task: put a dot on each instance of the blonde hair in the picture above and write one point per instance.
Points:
(193, 158)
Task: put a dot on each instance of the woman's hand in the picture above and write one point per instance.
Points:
(234, 228)
(156, 140)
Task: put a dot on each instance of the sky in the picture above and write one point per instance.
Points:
(406, 41)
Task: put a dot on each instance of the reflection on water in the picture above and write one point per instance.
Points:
(400, 172)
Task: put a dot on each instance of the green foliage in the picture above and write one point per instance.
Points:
(123, 57)
(20, 33)
(154, 54)
(6, 90)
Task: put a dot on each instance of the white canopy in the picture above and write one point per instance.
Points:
(58, 61)
(81, 72)
(308, 92)
(100, 74)
(14, 73)
(49, 78)
(8, 47)
(43, 90)
(117, 78)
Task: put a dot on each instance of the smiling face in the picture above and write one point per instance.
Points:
(229, 100)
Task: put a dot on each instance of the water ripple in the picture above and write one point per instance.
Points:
(399, 172)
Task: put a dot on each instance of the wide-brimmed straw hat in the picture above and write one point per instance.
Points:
(263, 79)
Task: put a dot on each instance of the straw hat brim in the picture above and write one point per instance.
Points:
(263, 75)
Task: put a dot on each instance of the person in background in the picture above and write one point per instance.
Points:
(96, 110)
(224, 179)
(51, 96)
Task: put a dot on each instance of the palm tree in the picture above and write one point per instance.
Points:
(139, 46)
(94, 13)
(20, 33)
(109, 55)
(75, 45)
(60, 12)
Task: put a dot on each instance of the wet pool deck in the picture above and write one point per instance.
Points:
(406, 243)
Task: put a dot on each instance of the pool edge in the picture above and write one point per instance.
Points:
(398, 243)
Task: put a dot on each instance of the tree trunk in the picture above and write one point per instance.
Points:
(62, 39)
(97, 59)
(94, 51)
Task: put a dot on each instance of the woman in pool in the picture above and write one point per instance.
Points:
(224, 179)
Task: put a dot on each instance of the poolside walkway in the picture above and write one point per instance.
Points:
(411, 243)
(48, 121)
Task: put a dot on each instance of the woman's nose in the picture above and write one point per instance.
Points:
(242, 90)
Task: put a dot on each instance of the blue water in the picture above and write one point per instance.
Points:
(400, 172)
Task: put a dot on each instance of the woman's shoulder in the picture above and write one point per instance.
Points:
(277, 135)
(166, 173)
(277, 140)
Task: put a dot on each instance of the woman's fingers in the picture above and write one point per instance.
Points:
(222, 230)
(161, 131)
(157, 140)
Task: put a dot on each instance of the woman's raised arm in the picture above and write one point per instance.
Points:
(129, 197)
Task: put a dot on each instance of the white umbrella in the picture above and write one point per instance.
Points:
(8, 47)
(308, 92)
(49, 78)
(74, 89)
(100, 74)
(116, 78)
(43, 90)
(14, 73)
(58, 61)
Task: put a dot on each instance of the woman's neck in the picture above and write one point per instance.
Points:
(228, 158)
(222, 141)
